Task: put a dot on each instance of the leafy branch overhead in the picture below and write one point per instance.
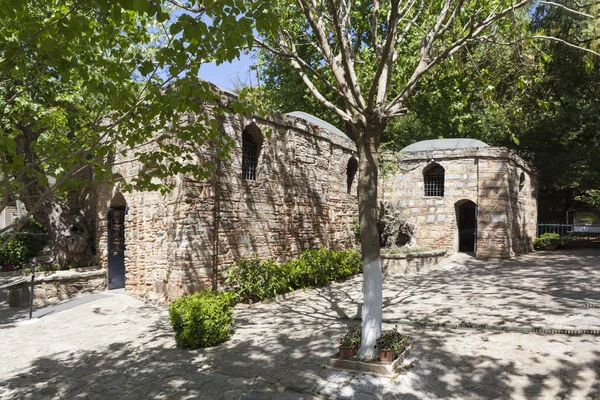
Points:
(87, 82)
(369, 57)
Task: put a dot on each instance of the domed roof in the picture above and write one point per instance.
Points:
(444, 144)
(319, 122)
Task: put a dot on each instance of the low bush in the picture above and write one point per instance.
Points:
(20, 249)
(548, 240)
(317, 267)
(257, 280)
(202, 319)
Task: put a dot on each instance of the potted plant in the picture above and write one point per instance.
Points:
(349, 343)
(391, 344)
(548, 241)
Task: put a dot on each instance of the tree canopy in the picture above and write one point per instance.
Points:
(535, 95)
(83, 81)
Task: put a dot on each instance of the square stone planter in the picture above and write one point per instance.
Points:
(375, 367)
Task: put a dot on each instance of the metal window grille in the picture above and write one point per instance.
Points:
(434, 181)
(249, 157)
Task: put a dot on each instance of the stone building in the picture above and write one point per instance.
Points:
(464, 195)
(294, 189)
(277, 195)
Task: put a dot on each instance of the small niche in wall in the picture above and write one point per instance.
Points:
(521, 181)
(351, 170)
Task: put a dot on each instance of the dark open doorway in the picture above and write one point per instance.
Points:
(116, 243)
(466, 217)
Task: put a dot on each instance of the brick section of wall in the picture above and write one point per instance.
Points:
(489, 177)
(184, 241)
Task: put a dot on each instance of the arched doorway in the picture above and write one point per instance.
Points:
(466, 218)
(116, 242)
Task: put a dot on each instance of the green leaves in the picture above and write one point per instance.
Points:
(202, 319)
(258, 280)
(78, 85)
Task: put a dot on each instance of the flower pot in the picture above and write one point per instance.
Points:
(550, 247)
(346, 351)
(386, 355)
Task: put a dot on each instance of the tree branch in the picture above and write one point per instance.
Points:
(294, 56)
(565, 43)
(198, 10)
(374, 23)
(28, 84)
(378, 87)
(425, 63)
(320, 32)
(346, 60)
(551, 3)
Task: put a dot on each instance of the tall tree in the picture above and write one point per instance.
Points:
(81, 81)
(371, 57)
(505, 94)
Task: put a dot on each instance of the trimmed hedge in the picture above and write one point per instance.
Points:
(202, 319)
(258, 280)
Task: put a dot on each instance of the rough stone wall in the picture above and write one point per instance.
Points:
(183, 241)
(489, 177)
(57, 286)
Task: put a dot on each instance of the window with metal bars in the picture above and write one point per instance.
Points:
(249, 156)
(434, 180)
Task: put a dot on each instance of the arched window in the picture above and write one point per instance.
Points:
(433, 177)
(351, 172)
(249, 156)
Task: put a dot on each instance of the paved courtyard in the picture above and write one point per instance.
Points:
(111, 346)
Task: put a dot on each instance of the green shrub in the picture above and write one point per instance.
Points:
(21, 248)
(257, 280)
(548, 239)
(317, 267)
(202, 319)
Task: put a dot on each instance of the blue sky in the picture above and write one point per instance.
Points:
(225, 75)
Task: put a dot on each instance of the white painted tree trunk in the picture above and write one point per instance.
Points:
(372, 308)
(368, 143)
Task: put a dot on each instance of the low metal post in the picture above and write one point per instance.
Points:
(31, 293)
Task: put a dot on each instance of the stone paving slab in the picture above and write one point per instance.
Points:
(115, 347)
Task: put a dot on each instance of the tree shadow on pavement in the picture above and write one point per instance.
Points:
(273, 354)
(279, 349)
